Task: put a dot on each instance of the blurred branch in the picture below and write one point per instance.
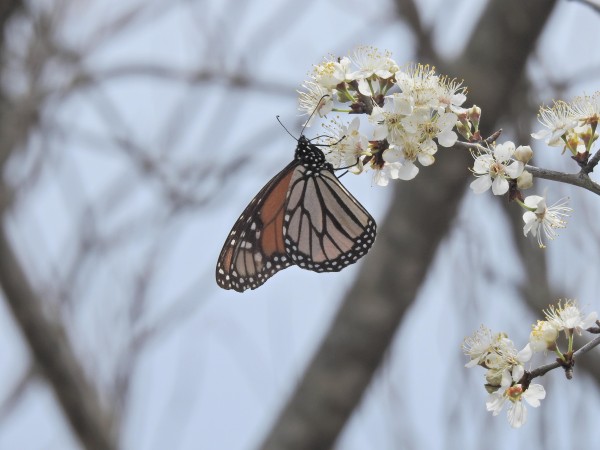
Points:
(17, 392)
(595, 6)
(418, 220)
(45, 335)
(52, 351)
(231, 79)
(7, 10)
(407, 11)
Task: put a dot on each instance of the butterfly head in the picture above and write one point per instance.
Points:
(309, 154)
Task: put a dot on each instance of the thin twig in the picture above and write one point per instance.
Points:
(540, 371)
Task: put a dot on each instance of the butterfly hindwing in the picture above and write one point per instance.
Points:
(326, 228)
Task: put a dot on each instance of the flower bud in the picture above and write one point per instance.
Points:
(475, 115)
(463, 130)
(493, 377)
(525, 180)
(523, 153)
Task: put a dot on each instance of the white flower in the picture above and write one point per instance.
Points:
(541, 219)
(408, 151)
(347, 144)
(384, 174)
(511, 390)
(479, 345)
(451, 96)
(330, 73)
(492, 169)
(388, 120)
(569, 317)
(370, 61)
(420, 87)
(543, 336)
(314, 100)
(428, 126)
(558, 119)
(587, 109)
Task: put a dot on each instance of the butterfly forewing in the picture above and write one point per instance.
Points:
(254, 250)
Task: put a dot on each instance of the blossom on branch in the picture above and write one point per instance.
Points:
(514, 392)
(543, 336)
(494, 168)
(569, 317)
(540, 219)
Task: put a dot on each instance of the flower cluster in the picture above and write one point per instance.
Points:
(567, 318)
(506, 377)
(571, 125)
(505, 373)
(410, 112)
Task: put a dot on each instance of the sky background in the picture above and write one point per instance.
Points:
(223, 363)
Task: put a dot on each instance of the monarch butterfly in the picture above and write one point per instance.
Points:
(303, 216)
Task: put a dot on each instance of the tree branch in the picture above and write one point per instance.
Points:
(581, 179)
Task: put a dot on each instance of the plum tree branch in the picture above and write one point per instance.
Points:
(580, 179)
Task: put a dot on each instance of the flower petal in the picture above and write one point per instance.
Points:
(408, 171)
(481, 184)
(499, 186)
(533, 394)
(517, 414)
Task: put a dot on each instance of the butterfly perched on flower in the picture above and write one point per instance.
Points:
(303, 216)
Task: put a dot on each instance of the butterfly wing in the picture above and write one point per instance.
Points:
(254, 250)
(325, 227)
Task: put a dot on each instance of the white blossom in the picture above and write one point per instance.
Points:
(370, 61)
(420, 87)
(347, 145)
(428, 127)
(513, 392)
(408, 151)
(315, 98)
(389, 171)
(543, 336)
(541, 219)
(586, 108)
(558, 120)
(480, 344)
(494, 168)
(570, 317)
(388, 119)
(331, 73)
(451, 96)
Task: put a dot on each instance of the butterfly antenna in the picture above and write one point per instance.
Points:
(313, 113)
(288, 132)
